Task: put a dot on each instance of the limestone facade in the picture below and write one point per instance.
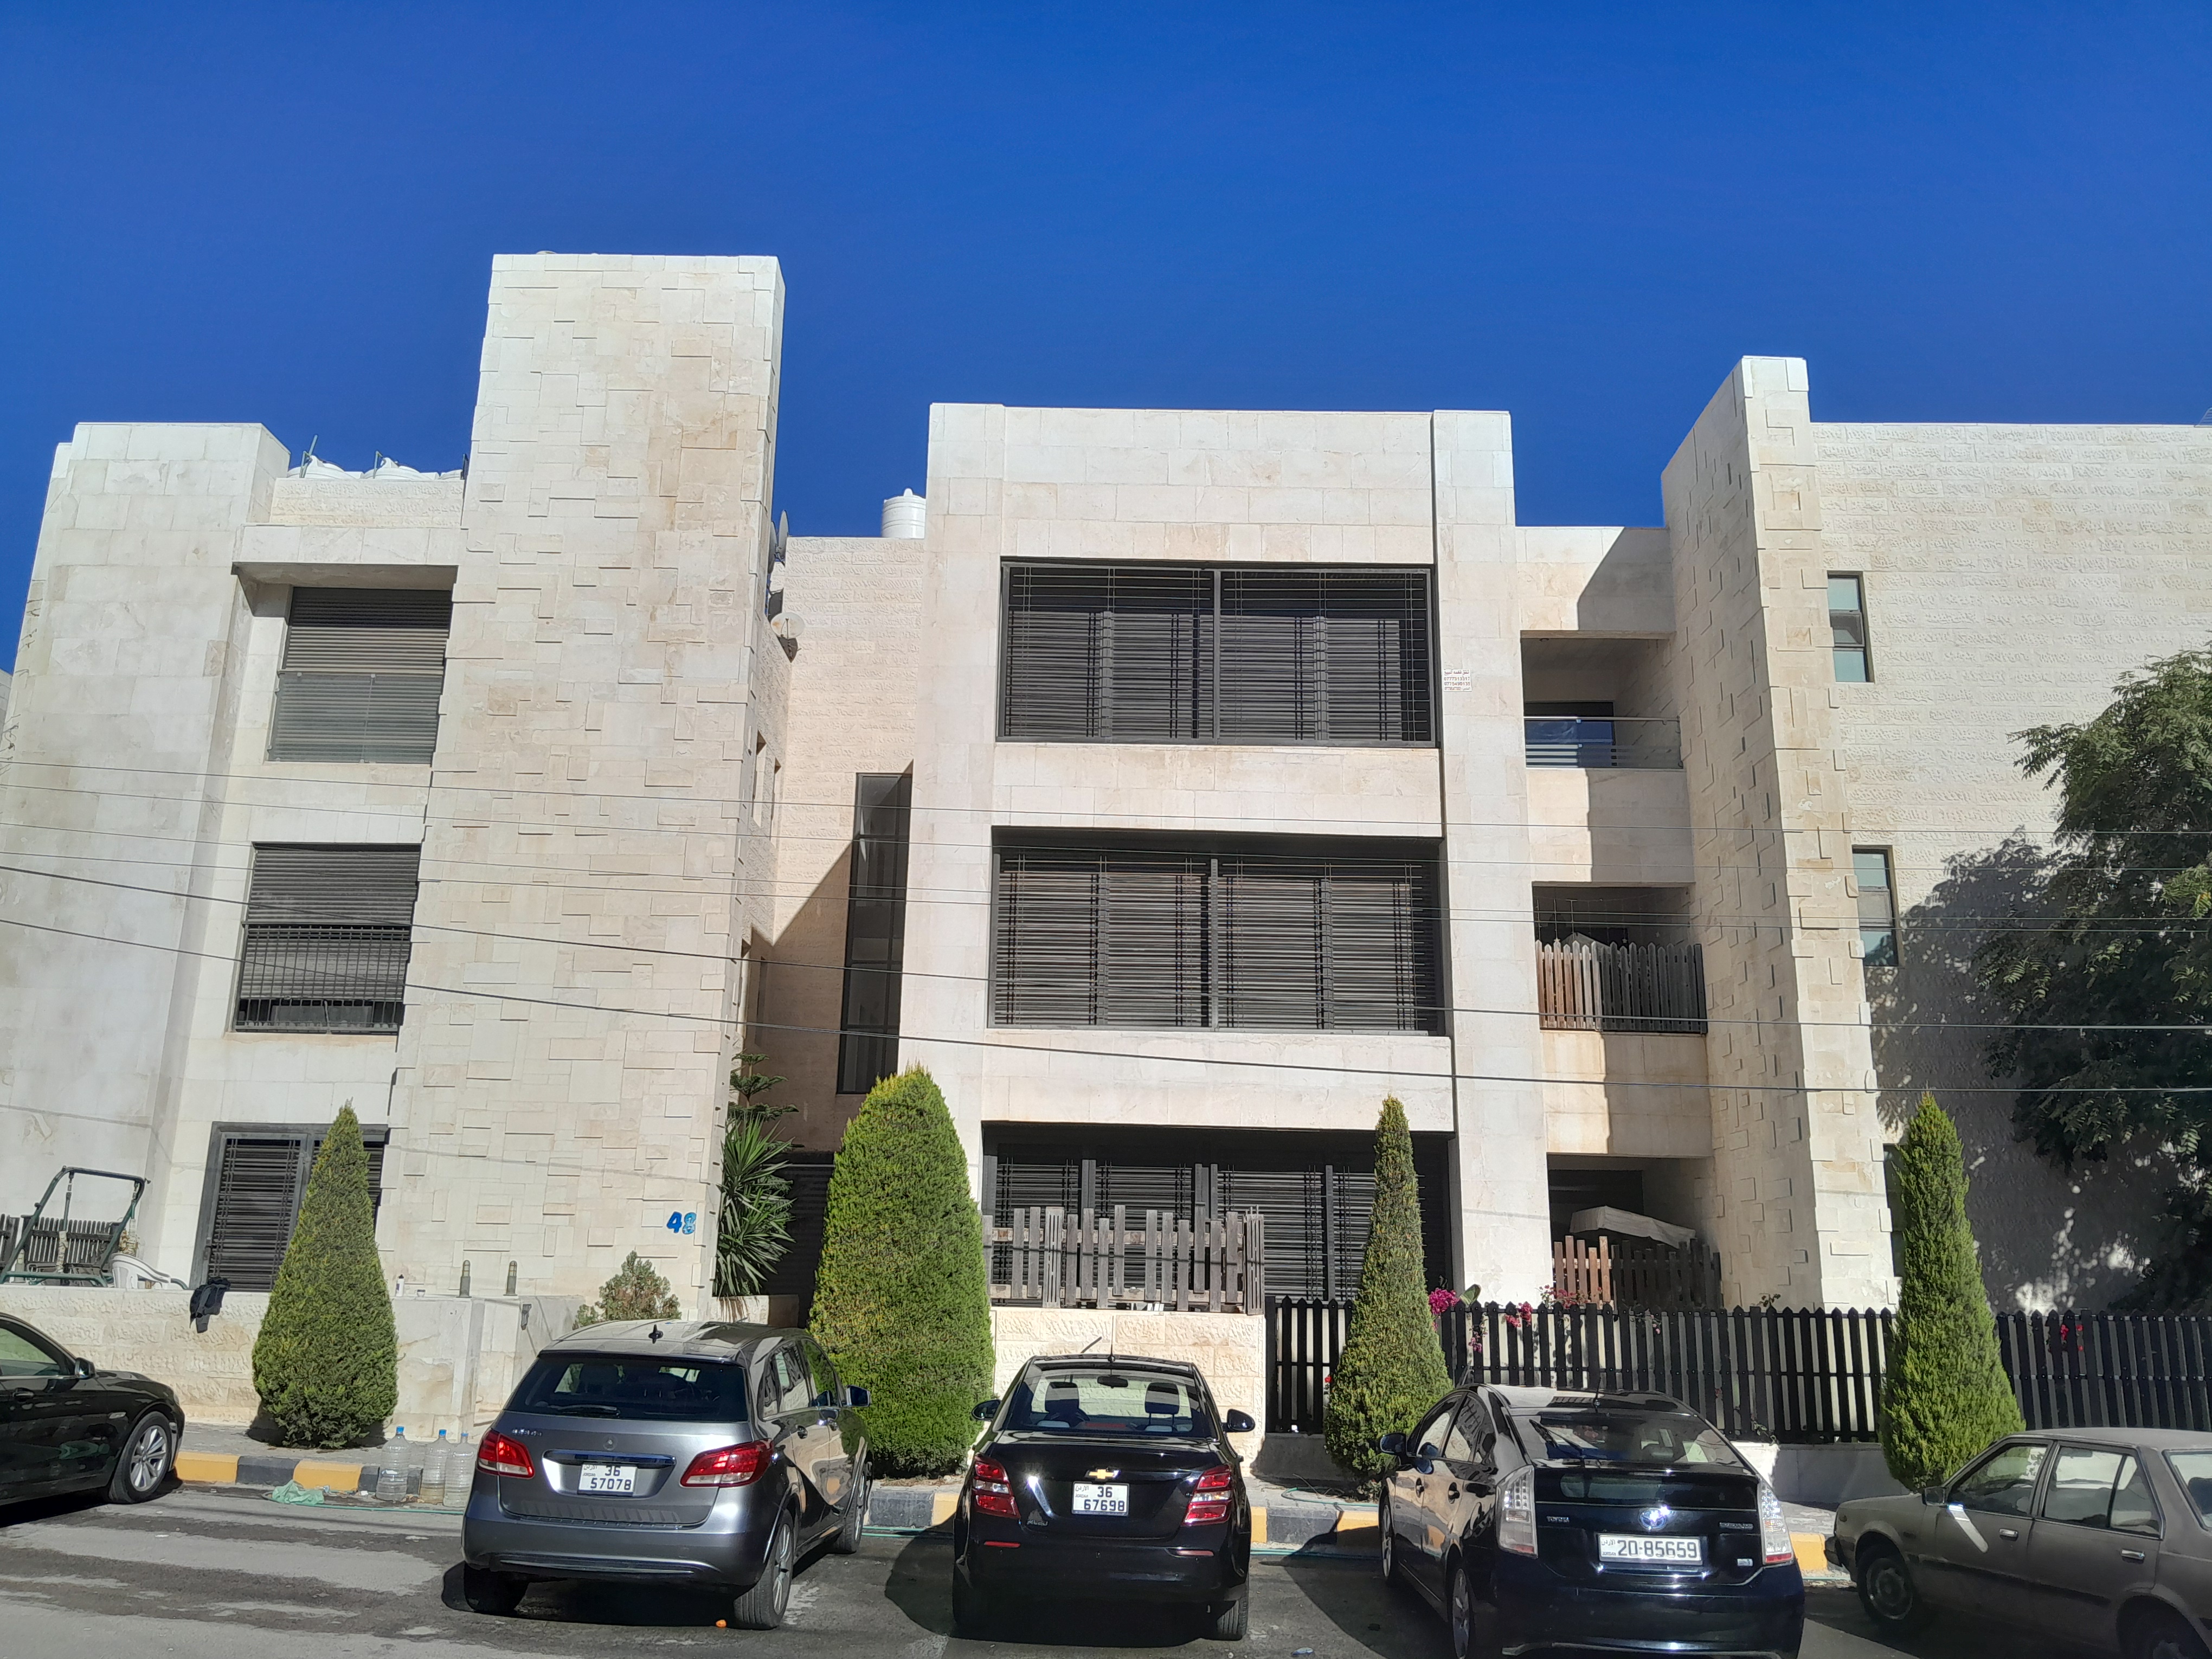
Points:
(636, 830)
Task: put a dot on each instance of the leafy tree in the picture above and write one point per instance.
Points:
(636, 1292)
(900, 1299)
(1392, 1368)
(2106, 978)
(753, 1230)
(1944, 1395)
(326, 1362)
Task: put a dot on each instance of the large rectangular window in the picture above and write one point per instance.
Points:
(1877, 907)
(875, 931)
(1847, 622)
(1151, 931)
(363, 670)
(1204, 653)
(327, 934)
(256, 1177)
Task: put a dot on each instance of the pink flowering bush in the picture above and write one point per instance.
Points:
(1442, 1302)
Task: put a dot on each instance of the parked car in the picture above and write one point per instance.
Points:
(2099, 1537)
(1104, 1477)
(67, 1425)
(668, 1452)
(1533, 1518)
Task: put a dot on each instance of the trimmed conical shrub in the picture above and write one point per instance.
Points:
(1392, 1368)
(899, 1300)
(1944, 1395)
(326, 1363)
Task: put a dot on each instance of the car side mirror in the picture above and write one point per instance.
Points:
(1238, 1423)
(1935, 1495)
(1393, 1443)
(985, 1410)
(855, 1395)
(86, 1368)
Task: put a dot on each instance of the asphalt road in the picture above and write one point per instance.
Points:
(201, 1575)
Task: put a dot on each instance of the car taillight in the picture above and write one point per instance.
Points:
(504, 1456)
(1209, 1497)
(1517, 1512)
(1773, 1527)
(728, 1465)
(994, 1493)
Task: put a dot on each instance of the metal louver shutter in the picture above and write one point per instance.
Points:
(1271, 974)
(327, 935)
(1296, 1216)
(1337, 943)
(362, 670)
(1100, 938)
(1113, 654)
(794, 1272)
(257, 1195)
(1325, 656)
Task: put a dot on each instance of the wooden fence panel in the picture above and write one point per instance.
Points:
(1046, 1257)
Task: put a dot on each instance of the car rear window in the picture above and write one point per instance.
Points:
(657, 1390)
(1106, 1401)
(1650, 1439)
(2193, 1470)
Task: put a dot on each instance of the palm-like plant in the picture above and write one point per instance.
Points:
(756, 1219)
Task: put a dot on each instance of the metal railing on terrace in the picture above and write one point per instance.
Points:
(1604, 742)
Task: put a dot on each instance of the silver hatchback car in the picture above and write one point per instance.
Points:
(669, 1452)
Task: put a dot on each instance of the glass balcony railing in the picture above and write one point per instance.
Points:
(1604, 742)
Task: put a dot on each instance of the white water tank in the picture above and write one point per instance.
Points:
(904, 515)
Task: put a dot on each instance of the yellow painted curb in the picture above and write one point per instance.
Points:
(219, 1467)
(1811, 1551)
(1353, 1517)
(941, 1505)
(1258, 1525)
(338, 1477)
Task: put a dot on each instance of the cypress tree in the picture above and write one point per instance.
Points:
(1392, 1368)
(900, 1299)
(1944, 1395)
(326, 1363)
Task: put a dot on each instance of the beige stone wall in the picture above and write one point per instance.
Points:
(1798, 1202)
(1626, 1094)
(2013, 574)
(563, 1061)
(1230, 1350)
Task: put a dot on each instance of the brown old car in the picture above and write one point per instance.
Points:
(2098, 1537)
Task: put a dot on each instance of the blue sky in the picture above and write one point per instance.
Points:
(1581, 214)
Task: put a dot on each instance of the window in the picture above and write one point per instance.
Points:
(1198, 653)
(20, 1356)
(784, 1385)
(1298, 937)
(361, 676)
(256, 1176)
(1847, 622)
(1877, 907)
(2003, 1482)
(2192, 1473)
(875, 931)
(648, 1390)
(327, 938)
(2101, 1486)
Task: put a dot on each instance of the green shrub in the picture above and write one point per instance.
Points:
(899, 1300)
(326, 1362)
(636, 1292)
(1944, 1395)
(1392, 1369)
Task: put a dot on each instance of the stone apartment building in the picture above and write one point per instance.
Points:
(1174, 784)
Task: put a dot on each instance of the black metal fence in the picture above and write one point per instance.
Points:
(1799, 1375)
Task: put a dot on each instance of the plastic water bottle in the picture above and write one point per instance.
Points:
(391, 1472)
(433, 1471)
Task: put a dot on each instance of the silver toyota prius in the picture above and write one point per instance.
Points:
(669, 1452)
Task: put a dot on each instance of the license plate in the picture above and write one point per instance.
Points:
(1101, 1500)
(1634, 1552)
(607, 1477)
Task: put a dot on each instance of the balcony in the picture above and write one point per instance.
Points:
(1604, 742)
(1583, 985)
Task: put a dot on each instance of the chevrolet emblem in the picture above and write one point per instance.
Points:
(1101, 1475)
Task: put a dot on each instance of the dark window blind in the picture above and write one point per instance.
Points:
(260, 1178)
(1199, 653)
(327, 938)
(875, 931)
(1166, 936)
(361, 674)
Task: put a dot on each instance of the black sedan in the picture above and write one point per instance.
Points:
(67, 1425)
(2098, 1537)
(1109, 1477)
(1620, 1523)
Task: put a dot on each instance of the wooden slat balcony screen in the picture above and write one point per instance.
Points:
(1095, 1258)
(1634, 1275)
(1161, 653)
(1583, 985)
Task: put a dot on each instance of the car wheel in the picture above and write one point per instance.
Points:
(1229, 1621)
(1887, 1591)
(848, 1541)
(762, 1606)
(1459, 1602)
(2161, 1635)
(971, 1610)
(149, 1452)
(496, 1593)
(1393, 1570)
